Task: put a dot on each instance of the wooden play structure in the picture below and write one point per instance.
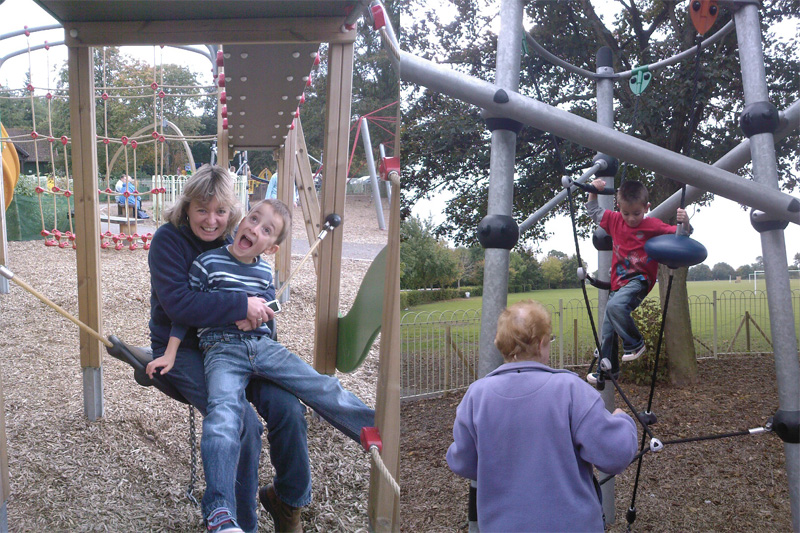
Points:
(265, 50)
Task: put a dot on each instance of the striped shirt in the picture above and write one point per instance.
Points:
(218, 271)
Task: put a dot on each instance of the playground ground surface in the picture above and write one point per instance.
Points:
(129, 470)
(737, 484)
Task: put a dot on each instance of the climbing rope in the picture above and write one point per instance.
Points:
(371, 442)
(376, 458)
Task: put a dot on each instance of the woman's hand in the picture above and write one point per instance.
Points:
(258, 312)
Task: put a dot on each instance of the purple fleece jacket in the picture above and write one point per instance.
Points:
(529, 435)
(172, 252)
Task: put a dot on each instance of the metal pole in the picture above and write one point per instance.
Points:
(733, 160)
(716, 331)
(605, 118)
(557, 199)
(501, 190)
(773, 244)
(373, 176)
(587, 133)
(501, 186)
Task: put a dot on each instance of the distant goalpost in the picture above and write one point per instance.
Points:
(793, 274)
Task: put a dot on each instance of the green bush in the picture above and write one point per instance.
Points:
(420, 297)
(640, 371)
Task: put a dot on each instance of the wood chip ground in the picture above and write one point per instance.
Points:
(128, 471)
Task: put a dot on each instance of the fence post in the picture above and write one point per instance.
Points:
(747, 329)
(560, 333)
(447, 353)
(714, 309)
(575, 340)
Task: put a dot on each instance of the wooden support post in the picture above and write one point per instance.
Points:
(337, 135)
(87, 221)
(304, 180)
(384, 505)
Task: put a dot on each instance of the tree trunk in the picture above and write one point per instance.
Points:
(680, 353)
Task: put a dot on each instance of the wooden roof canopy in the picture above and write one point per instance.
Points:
(269, 47)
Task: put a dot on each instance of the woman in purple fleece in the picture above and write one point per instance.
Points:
(529, 435)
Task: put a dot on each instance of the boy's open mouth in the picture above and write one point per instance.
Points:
(245, 243)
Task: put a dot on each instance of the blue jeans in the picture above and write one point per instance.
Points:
(231, 360)
(286, 424)
(618, 322)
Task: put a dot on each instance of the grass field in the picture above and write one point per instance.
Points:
(440, 341)
(736, 322)
(551, 297)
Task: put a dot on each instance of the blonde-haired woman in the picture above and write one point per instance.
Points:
(529, 434)
(203, 218)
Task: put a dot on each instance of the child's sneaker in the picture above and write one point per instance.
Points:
(595, 376)
(635, 354)
(220, 520)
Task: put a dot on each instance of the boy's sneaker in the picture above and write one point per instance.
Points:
(595, 376)
(635, 354)
(221, 520)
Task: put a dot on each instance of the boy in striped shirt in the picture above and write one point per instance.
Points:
(233, 356)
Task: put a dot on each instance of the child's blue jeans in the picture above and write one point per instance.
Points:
(618, 321)
(231, 359)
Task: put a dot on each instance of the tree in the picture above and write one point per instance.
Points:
(699, 272)
(723, 271)
(425, 261)
(471, 265)
(446, 141)
(744, 271)
(551, 270)
(569, 269)
(796, 263)
(528, 273)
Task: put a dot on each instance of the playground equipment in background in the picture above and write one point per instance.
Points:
(330, 26)
(11, 167)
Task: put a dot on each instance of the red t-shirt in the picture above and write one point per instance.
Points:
(629, 259)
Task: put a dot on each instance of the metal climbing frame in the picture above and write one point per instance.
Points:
(501, 100)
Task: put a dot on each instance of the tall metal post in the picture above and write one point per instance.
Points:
(373, 175)
(501, 192)
(773, 244)
(605, 117)
(501, 186)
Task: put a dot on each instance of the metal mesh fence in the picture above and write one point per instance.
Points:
(439, 350)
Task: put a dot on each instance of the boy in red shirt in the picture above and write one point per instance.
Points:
(633, 274)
